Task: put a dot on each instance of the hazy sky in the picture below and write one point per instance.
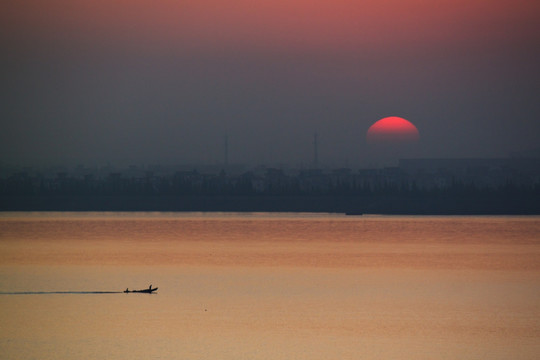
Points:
(140, 81)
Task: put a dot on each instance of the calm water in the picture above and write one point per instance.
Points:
(268, 286)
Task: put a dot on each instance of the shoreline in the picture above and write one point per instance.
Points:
(350, 205)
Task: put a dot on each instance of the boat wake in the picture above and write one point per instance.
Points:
(149, 290)
(57, 292)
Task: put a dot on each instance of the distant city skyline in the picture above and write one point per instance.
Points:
(415, 186)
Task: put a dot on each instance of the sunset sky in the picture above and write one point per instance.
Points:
(163, 81)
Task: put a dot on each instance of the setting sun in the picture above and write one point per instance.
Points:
(392, 129)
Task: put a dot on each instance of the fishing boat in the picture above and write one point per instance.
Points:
(150, 290)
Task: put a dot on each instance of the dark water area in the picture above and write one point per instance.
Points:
(470, 204)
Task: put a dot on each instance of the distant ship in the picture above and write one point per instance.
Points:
(146, 291)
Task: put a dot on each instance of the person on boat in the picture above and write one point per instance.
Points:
(150, 288)
(127, 290)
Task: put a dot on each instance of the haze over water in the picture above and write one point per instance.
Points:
(269, 286)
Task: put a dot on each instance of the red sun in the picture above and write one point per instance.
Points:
(392, 129)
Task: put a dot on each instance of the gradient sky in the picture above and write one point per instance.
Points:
(163, 81)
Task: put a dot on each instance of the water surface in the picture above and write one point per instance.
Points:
(268, 286)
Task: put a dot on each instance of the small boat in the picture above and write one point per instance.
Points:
(150, 290)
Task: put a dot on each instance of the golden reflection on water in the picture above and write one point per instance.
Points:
(267, 286)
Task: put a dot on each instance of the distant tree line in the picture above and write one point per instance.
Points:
(193, 184)
(390, 191)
